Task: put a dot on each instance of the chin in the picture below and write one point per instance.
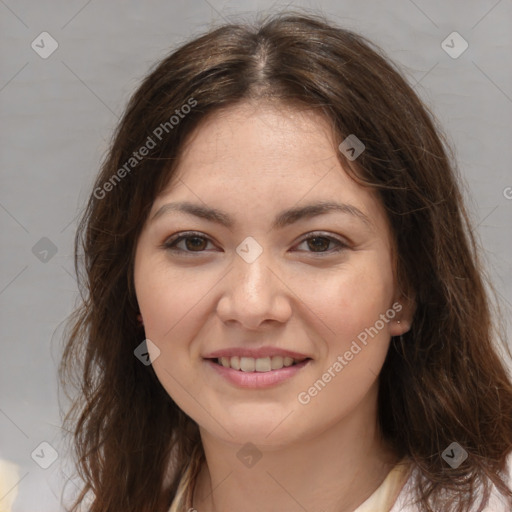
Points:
(270, 431)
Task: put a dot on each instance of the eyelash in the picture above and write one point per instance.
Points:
(171, 243)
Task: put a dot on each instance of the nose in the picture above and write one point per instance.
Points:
(254, 295)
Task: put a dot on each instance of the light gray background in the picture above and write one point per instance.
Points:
(58, 114)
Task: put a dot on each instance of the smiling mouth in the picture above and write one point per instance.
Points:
(260, 364)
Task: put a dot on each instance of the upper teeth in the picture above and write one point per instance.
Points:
(261, 364)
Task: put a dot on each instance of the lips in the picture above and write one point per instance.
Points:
(254, 379)
(256, 360)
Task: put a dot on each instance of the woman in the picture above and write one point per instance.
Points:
(284, 307)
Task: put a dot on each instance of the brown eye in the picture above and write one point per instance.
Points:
(195, 243)
(187, 243)
(320, 243)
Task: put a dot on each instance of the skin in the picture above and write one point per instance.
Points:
(252, 161)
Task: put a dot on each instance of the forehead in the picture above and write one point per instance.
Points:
(253, 139)
(265, 157)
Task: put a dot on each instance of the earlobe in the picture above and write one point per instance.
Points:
(399, 327)
(404, 315)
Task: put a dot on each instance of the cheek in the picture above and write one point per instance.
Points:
(168, 298)
(175, 304)
(169, 303)
(356, 312)
(348, 299)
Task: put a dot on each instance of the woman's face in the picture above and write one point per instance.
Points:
(239, 259)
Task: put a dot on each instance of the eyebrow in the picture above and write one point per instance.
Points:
(283, 219)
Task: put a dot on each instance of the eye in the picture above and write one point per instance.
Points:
(193, 242)
(319, 243)
(196, 242)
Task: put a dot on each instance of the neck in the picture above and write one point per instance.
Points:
(334, 470)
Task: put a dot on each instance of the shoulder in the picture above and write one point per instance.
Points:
(405, 500)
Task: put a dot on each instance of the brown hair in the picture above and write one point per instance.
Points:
(443, 381)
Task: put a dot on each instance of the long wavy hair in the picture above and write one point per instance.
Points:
(443, 381)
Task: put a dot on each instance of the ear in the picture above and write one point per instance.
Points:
(404, 307)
